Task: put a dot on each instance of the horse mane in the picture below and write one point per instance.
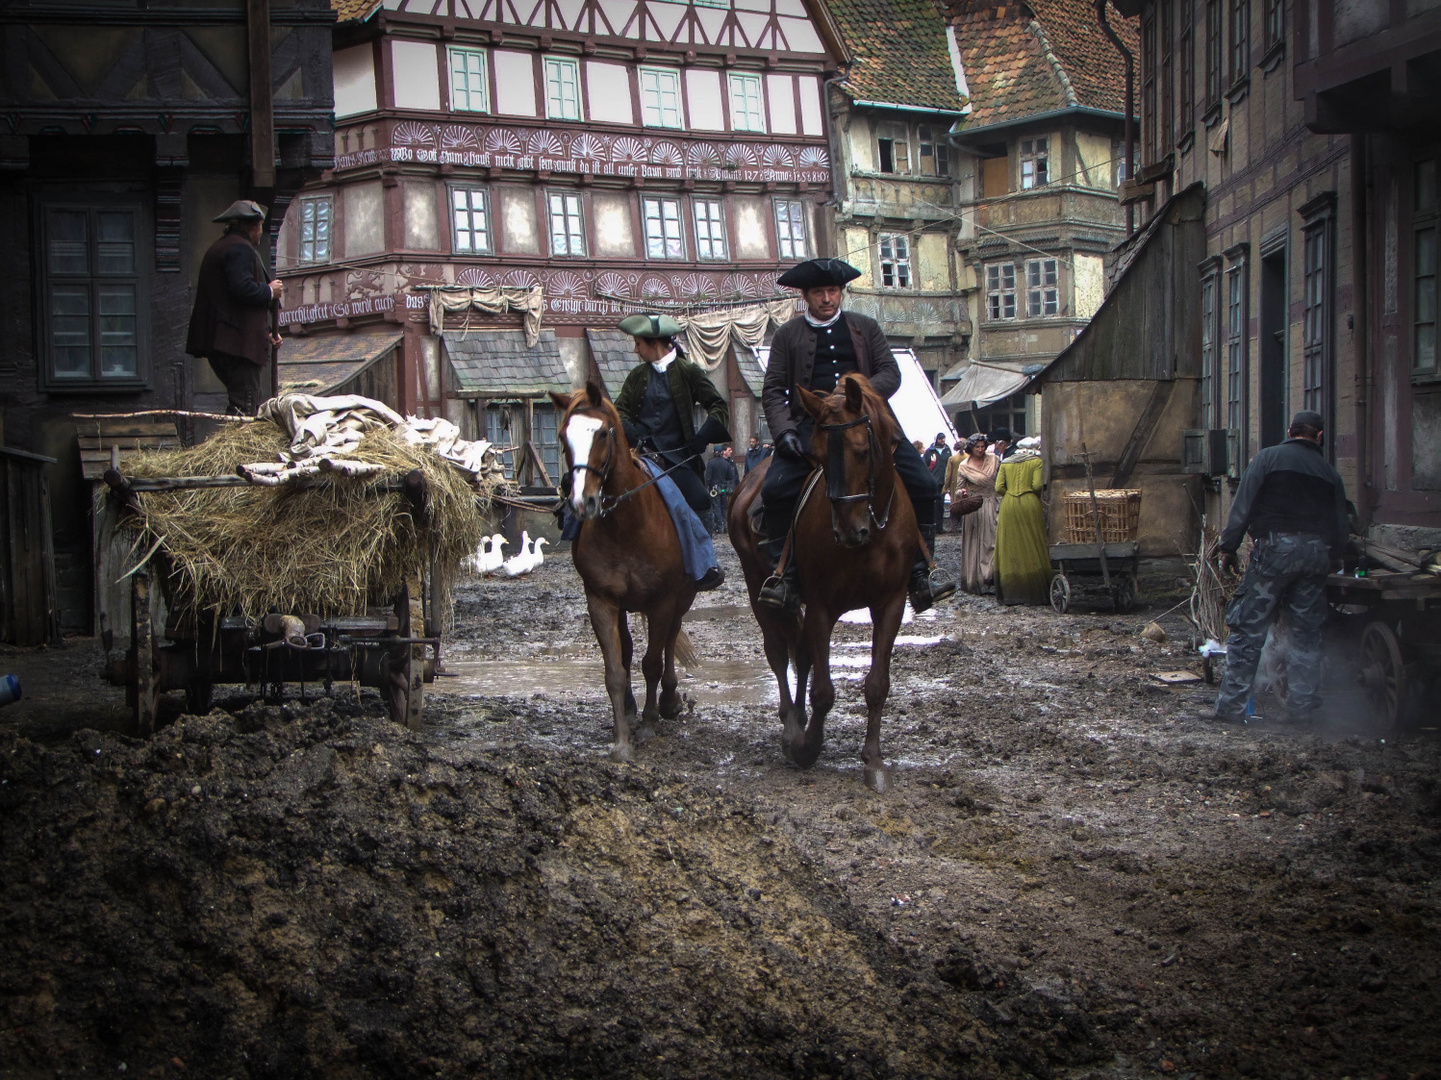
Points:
(882, 420)
(592, 396)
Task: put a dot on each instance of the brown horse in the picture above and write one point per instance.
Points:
(628, 557)
(854, 542)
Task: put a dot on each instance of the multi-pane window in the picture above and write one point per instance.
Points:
(893, 151)
(1215, 51)
(1273, 18)
(562, 88)
(470, 221)
(498, 432)
(663, 229)
(748, 111)
(1001, 291)
(1148, 87)
(546, 437)
(1035, 163)
(567, 224)
(1166, 119)
(468, 91)
(660, 97)
(935, 153)
(315, 218)
(1315, 316)
(895, 260)
(791, 229)
(1240, 27)
(1186, 62)
(1236, 345)
(1208, 351)
(91, 292)
(710, 229)
(1423, 268)
(1042, 293)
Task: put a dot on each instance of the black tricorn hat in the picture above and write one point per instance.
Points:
(816, 272)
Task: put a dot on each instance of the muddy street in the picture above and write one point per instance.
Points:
(1074, 874)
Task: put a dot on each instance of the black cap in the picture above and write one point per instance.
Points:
(1310, 418)
(1002, 435)
(814, 273)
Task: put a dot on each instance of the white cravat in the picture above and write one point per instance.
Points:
(664, 362)
(817, 323)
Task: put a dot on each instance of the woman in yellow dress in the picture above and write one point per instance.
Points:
(1023, 561)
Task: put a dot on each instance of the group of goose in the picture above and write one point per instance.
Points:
(489, 560)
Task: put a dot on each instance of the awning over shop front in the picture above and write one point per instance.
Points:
(499, 364)
(614, 352)
(984, 382)
(752, 370)
(322, 363)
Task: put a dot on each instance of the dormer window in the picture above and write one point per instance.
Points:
(935, 154)
(892, 148)
(1035, 164)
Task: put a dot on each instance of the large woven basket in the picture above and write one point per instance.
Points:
(1120, 515)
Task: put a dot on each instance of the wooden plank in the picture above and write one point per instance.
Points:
(1122, 549)
(113, 428)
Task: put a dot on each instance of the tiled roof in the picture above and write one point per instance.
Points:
(1040, 56)
(614, 352)
(346, 10)
(899, 51)
(498, 363)
(319, 363)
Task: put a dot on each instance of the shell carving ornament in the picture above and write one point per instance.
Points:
(409, 133)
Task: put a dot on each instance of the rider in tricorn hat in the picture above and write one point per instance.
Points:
(814, 350)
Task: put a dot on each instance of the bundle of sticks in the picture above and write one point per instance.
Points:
(1211, 590)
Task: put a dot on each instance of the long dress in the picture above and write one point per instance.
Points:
(978, 528)
(1023, 562)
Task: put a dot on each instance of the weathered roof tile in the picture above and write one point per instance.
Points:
(498, 363)
(900, 53)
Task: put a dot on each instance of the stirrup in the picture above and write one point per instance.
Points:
(778, 592)
(925, 590)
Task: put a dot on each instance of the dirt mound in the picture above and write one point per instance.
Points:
(270, 895)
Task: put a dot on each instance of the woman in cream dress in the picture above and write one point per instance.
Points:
(974, 473)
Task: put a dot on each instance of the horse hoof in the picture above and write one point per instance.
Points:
(670, 708)
(643, 734)
(621, 752)
(878, 779)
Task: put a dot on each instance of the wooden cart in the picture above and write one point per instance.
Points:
(1399, 653)
(379, 649)
(1079, 574)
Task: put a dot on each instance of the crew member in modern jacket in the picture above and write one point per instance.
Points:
(230, 324)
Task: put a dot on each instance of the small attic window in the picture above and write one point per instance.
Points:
(892, 148)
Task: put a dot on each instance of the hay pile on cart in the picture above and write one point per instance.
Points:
(317, 542)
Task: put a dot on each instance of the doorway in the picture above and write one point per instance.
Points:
(1273, 348)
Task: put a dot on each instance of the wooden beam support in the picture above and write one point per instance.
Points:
(262, 93)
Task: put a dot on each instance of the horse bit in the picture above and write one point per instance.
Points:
(835, 470)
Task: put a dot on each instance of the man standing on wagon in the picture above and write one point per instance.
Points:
(814, 350)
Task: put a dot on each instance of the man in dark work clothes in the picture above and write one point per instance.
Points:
(230, 323)
(814, 350)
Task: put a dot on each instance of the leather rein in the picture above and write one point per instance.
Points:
(608, 503)
(835, 470)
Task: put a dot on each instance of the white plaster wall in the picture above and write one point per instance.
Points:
(931, 264)
(354, 75)
(430, 366)
(364, 219)
(704, 101)
(609, 88)
(1094, 160)
(860, 143)
(422, 223)
(514, 83)
(857, 252)
(614, 225)
(414, 75)
(1089, 273)
(781, 90)
(811, 123)
(752, 228)
(519, 231)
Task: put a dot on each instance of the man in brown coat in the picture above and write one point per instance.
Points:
(230, 324)
(814, 350)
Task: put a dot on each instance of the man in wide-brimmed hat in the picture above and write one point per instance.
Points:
(814, 350)
(230, 324)
(657, 406)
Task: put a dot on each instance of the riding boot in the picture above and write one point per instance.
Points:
(781, 591)
(929, 582)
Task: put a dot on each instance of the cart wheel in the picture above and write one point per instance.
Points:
(1060, 593)
(1382, 672)
(405, 667)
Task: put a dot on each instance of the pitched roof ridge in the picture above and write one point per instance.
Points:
(1057, 68)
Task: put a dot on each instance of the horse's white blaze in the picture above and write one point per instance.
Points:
(579, 436)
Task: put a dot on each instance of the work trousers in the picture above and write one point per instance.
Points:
(1285, 569)
(786, 476)
(246, 385)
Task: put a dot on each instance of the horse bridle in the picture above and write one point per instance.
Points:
(609, 502)
(835, 470)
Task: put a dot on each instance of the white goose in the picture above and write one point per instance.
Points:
(490, 562)
(519, 563)
(539, 560)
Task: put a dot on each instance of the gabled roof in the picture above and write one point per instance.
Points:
(899, 53)
(1041, 56)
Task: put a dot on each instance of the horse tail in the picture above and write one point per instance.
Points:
(685, 653)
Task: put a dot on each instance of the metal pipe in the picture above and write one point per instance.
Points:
(1130, 109)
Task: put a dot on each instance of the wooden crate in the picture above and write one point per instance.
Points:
(1120, 515)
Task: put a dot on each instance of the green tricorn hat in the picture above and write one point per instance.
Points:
(651, 326)
(241, 210)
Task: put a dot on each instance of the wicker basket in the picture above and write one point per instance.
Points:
(1120, 515)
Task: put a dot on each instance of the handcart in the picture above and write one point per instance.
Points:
(1078, 574)
(1399, 654)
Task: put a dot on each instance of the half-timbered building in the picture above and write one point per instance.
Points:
(511, 180)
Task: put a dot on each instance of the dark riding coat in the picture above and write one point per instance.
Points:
(793, 360)
(231, 316)
(689, 386)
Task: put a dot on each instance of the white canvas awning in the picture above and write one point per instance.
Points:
(915, 404)
(984, 382)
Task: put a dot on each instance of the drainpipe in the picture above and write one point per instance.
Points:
(1362, 201)
(1130, 109)
(840, 185)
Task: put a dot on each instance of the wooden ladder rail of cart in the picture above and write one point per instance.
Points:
(378, 649)
(1079, 564)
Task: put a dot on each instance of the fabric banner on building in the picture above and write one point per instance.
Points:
(708, 336)
(491, 299)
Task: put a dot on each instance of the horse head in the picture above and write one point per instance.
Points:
(855, 439)
(592, 439)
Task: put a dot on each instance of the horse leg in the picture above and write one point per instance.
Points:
(670, 702)
(814, 656)
(627, 651)
(606, 620)
(784, 651)
(885, 622)
(659, 625)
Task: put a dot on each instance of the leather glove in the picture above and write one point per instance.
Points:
(634, 433)
(789, 444)
(1228, 563)
(696, 447)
